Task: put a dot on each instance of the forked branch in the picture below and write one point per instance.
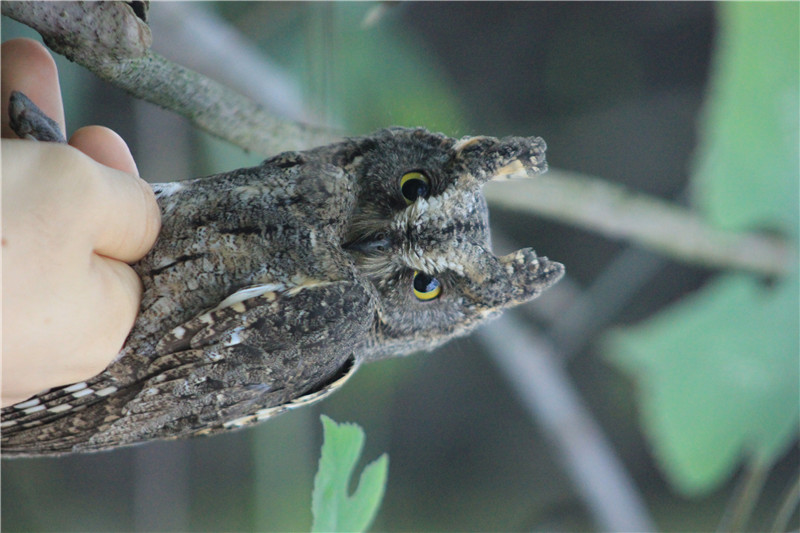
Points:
(111, 40)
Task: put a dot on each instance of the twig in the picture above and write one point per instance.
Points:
(111, 41)
(533, 369)
(743, 500)
(618, 213)
(600, 303)
(788, 506)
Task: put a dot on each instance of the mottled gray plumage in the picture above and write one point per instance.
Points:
(269, 286)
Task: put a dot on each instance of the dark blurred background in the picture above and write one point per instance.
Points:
(614, 88)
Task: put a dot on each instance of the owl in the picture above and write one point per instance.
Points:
(269, 286)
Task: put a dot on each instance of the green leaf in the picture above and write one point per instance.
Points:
(717, 374)
(746, 173)
(333, 508)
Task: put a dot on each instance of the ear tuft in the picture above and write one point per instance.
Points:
(487, 158)
(530, 274)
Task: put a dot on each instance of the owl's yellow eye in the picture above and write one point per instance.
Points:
(414, 185)
(426, 287)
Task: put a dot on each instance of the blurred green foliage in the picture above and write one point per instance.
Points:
(746, 169)
(717, 373)
(360, 78)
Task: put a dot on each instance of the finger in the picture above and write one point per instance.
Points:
(114, 297)
(90, 324)
(104, 146)
(113, 213)
(131, 216)
(29, 67)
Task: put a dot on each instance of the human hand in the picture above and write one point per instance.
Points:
(73, 218)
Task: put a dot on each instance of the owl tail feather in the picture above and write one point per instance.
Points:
(32, 426)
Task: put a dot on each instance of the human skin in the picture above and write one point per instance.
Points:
(74, 217)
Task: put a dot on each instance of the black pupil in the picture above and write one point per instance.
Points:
(424, 283)
(414, 188)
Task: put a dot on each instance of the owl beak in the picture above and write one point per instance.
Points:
(369, 245)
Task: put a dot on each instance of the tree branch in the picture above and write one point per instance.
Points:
(619, 213)
(111, 41)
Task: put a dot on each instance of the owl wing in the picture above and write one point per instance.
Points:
(259, 353)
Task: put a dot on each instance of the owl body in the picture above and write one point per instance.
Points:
(269, 286)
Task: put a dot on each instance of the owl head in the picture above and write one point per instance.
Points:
(419, 232)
